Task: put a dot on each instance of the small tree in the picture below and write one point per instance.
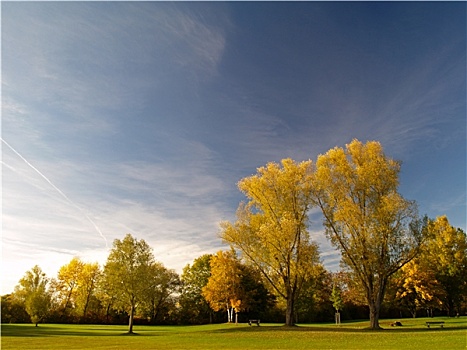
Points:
(223, 290)
(235, 287)
(33, 293)
(337, 302)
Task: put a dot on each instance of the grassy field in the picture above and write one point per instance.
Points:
(411, 336)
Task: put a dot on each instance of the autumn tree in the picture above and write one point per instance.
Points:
(223, 290)
(87, 286)
(235, 287)
(32, 292)
(417, 287)
(271, 228)
(445, 255)
(194, 306)
(376, 230)
(67, 282)
(126, 273)
(337, 301)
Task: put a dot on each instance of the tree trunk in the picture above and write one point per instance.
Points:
(130, 323)
(375, 295)
(338, 318)
(374, 315)
(86, 304)
(107, 312)
(289, 313)
(66, 301)
(450, 307)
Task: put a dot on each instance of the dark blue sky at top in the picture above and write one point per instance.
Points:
(146, 114)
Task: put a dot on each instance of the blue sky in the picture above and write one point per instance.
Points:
(141, 117)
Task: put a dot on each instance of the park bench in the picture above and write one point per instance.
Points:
(436, 323)
(250, 322)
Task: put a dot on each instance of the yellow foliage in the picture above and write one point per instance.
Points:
(447, 246)
(271, 228)
(224, 285)
(365, 217)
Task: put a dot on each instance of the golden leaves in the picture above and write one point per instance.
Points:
(223, 287)
(271, 228)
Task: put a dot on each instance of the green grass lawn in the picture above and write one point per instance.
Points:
(353, 335)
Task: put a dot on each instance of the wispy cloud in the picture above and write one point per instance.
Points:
(145, 115)
(72, 60)
(196, 44)
(176, 211)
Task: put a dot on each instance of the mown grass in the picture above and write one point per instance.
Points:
(353, 335)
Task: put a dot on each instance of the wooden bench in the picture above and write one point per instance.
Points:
(250, 322)
(437, 323)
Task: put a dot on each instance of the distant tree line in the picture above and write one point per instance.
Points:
(394, 263)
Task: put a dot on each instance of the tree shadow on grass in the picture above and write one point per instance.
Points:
(51, 331)
(338, 329)
(129, 334)
(46, 330)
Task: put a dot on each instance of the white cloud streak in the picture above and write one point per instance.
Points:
(175, 211)
(57, 189)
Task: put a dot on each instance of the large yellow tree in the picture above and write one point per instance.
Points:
(271, 228)
(376, 230)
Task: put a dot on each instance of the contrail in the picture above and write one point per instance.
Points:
(58, 190)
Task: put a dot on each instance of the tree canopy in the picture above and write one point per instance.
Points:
(444, 254)
(194, 277)
(162, 283)
(224, 289)
(271, 228)
(67, 283)
(32, 291)
(374, 227)
(126, 273)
